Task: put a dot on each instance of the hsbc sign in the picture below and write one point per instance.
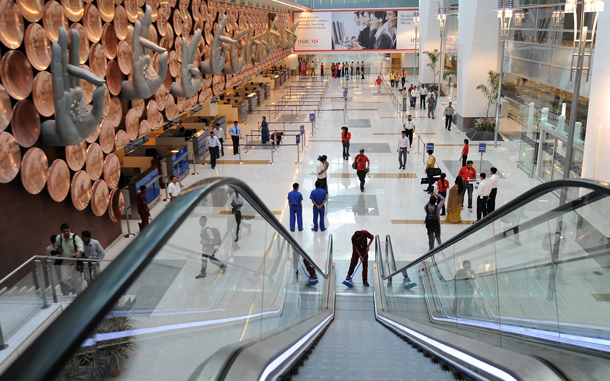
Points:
(308, 41)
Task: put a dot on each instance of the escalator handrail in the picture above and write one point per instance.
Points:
(525, 198)
(59, 341)
(388, 243)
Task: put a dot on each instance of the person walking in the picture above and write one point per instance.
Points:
(423, 93)
(92, 249)
(236, 206)
(346, 136)
(431, 102)
(429, 170)
(361, 165)
(433, 221)
(392, 77)
(264, 130)
(312, 70)
(494, 179)
(358, 66)
(454, 203)
(448, 113)
(378, 84)
(210, 240)
(403, 150)
(405, 97)
(318, 197)
(413, 94)
(351, 67)
(361, 243)
(409, 127)
(143, 209)
(483, 190)
(295, 200)
(468, 175)
(69, 245)
(464, 155)
(403, 78)
(362, 73)
(213, 145)
(322, 69)
(443, 185)
(174, 188)
(235, 133)
(220, 134)
(322, 172)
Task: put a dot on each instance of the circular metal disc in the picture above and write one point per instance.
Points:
(95, 161)
(25, 123)
(10, 157)
(109, 41)
(11, 24)
(107, 135)
(83, 49)
(16, 74)
(112, 170)
(53, 18)
(37, 47)
(121, 139)
(97, 60)
(6, 109)
(115, 112)
(34, 170)
(42, 93)
(114, 78)
(106, 9)
(58, 180)
(132, 124)
(99, 198)
(145, 128)
(81, 190)
(138, 105)
(115, 211)
(96, 133)
(73, 9)
(120, 22)
(124, 57)
(92, 23)
(87, 87)
(32, 10)
(76, 155)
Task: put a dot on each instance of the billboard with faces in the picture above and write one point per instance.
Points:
(381, 30)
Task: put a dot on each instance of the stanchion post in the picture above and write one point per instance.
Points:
(51, 276)
(129, 233)
(41, 284)
(240, 162)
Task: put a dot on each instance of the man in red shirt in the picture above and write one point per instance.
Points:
(361, 164)
(443, 186)
(464, 155)
(360, 248)
(143, 210)
(468, 173)
(378, 83)
(322, 70)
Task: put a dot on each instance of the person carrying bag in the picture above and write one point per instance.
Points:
(431, 171)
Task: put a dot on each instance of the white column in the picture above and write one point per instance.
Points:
(478, 42)
(596, 163)
(429, 38)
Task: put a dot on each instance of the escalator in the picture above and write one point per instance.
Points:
(518, 295)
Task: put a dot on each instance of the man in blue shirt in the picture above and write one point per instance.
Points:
(295, 199)
(318, 197)
(235, 133)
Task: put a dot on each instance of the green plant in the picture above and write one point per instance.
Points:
(484, 124)
(434, 58)
(490, 91)
(449, 73)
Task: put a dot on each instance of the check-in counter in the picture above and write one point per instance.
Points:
(234, 109)
(149, 179)
(180, 161)
(196, 144)
(140, 158)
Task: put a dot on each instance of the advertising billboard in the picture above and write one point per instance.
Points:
(380, 30)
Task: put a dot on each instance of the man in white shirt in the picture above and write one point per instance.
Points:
(403, 149)
(210, 240)
(409, 128)
(174, 188)
(213, 145)
(494, 179)
(449, 111)
(235, 133)
(93, 250)
(220, 134)
(413, 95)
(69, 245)
(423, 93)
(312, 69)
(322, 172)
(483, 190)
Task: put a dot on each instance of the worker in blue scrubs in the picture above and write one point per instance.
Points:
(295, 199)
(318, 198)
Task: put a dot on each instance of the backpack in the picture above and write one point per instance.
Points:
(214, 241)
(431, 221)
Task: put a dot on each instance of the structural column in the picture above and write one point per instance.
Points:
(429, 38)
(478, 43)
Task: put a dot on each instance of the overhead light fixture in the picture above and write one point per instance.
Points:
(289, 5)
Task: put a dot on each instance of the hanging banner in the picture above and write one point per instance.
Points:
(389, 30)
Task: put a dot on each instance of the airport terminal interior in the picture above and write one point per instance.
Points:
(265, 189)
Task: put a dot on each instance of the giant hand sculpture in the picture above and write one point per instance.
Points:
(237, 57)
(261, 41)
(291, 36)
(218, 53)
(274, 37)
(73, 121)
(190, 81)
(145, 81)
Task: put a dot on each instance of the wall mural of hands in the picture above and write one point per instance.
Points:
(145, 81)
(218, 53)
(261, 42)
(291, 36)
(237, 56)
(191, 80)
(73, 121)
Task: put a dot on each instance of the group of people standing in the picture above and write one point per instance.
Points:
(398, 78)
(343, 69)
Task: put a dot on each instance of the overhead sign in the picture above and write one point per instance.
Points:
(312, 117)
(355, 30)
(429, 146)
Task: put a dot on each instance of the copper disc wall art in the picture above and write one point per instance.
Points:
(53, 18)
(77, 155)
(177, 22)
(73, 9)
(34, 170)
(107, 135)
(58, 180)
(84, 42)
(81, 190)
(144, 128)
(120, 22)
(181, 102)
(95, 134)
(132, 124)
(16, 74)
(87, 87)
(97, 60)
(160, 97)
(42, 94)
(109, 41)
(92, 23)
(116, 205)
(121, 139)
(99, 198)
(114, 78)
(106, 9)
(174, 65)
(11, 24)
(6, 109)
(138, 105)
(10, 157)
(131, 7)
(37, 47)
(124, 57)
(95, 161)
(112, 170)
(25, 123)
(115, 112)
(32, 10)
(171, 109)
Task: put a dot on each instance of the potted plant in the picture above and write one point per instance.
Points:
(490, 91)
(434, 58)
